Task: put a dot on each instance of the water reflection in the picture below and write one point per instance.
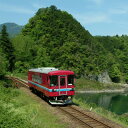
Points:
(117, 103)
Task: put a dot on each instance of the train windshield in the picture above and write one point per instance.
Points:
(70, 79)
(53, 80)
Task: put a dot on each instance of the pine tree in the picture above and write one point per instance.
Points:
(7, 48)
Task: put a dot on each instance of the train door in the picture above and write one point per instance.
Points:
(62, 83)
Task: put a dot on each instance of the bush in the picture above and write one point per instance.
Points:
(115, 73)
(9, 116)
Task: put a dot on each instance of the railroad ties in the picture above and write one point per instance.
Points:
(83, 119)
(19, 82)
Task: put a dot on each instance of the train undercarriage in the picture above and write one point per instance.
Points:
(56, 100)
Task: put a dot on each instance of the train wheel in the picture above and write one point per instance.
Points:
(41, 95)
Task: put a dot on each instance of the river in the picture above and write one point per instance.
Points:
(117, 103)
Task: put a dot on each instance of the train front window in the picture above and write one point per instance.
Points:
(70, 79)
(53, 80)
(62, 81)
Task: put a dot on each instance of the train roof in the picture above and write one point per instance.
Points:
(61, 72)
(51, 71)
(44, 70)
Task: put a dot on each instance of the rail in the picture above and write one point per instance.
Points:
(19, 82)
(83, 118)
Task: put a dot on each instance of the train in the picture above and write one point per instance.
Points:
(57, 86)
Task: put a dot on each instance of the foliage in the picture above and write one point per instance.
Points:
(117, 50)
(19, 110)
(3, 64)
(7, 48)
(54, 38)
(115, 73)
(9, 116)
(24, 52)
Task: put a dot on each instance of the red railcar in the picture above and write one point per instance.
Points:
(56, 85)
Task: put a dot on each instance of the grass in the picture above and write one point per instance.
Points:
(20, 75)
(120, 119)
(39, 115)
(19, 110)
(84, 84)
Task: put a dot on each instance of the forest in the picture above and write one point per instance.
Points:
(54, 38)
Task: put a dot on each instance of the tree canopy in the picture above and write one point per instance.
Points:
(64, 41)
(55, 38)
(7, 48)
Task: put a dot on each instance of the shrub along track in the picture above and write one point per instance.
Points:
(78, 117)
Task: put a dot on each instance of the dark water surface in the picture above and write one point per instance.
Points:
(117, 103)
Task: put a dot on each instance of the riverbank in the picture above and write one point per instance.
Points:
(118, 119)
(105, 91)
(88, 86)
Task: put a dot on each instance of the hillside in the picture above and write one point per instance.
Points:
(117, 49)
(12, 28)
(55, 38)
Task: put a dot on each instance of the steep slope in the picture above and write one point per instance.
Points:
(12, 28)
(63, 41)
(117, 49)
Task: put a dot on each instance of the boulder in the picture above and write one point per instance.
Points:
(104, 77)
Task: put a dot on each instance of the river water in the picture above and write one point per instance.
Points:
(117, 103)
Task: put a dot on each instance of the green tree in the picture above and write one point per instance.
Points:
(115, 73)
(7, 48)
(3, 64)
(42, 59)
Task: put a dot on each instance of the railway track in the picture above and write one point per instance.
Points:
(84, 119)
(19, 82)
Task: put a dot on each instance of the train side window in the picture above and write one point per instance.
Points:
(53, 80)
(70, 79)
(37, 78)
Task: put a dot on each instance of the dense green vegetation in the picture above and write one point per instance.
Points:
(54, 38)
(3, 64)
(7, 48)
(19, 110)
(117, 49)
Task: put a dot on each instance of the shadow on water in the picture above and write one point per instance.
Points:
(117, 103)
